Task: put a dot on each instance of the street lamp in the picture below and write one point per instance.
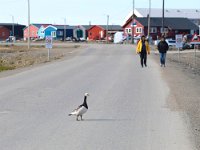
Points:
(28, 24)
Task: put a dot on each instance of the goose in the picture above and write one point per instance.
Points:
(81, 109)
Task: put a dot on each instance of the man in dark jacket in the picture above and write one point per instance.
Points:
(162, 48)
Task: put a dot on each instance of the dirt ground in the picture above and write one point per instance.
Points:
(13, 57)
(189, 59)
(183, 79)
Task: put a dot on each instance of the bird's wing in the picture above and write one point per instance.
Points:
(74, 112)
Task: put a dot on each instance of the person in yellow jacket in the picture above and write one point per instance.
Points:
(143, 49)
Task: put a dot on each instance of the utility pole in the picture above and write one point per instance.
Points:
(28, 24)
(107, 29)
(13, 26)
(64, 30)
(132, 24)
(149, 20)
(163, 15)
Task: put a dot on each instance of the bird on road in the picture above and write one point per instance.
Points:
(81, 109)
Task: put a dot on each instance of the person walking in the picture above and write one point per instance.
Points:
(163, 48)
(143, 49)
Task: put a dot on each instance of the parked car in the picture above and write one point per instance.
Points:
(171, 43)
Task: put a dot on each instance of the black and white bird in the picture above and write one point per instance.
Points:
(81, 109)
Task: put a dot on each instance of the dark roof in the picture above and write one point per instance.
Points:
(112, 27)
(10, 24)
(173, 23)
(61, 27)
(87, 26)
(39, 25)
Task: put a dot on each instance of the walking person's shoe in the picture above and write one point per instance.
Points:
(160, 65)
(145, 65)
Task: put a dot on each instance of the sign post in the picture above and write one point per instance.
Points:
(49, 44)
(195, 55)
(179, 44)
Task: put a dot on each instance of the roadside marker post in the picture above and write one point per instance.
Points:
(49, 45)
(179, 44)
(195, 55)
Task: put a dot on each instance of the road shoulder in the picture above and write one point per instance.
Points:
(184, 94)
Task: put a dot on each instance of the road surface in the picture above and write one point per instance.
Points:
(127, 105)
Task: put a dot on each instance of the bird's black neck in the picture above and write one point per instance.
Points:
(85, 102)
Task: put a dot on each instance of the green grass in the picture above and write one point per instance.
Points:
(4, 68)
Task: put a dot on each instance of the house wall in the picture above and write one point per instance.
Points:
(4, 33)
(60, 34)
(136, 27)
(41, 34)
(69, 33)
(170, 34)
(33, 32)
(50, 31)
(96, 33)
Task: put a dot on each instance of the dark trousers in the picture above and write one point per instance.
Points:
(143, 59)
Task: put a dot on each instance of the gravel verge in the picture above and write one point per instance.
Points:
(183, 78)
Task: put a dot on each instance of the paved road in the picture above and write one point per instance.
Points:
(127, 106)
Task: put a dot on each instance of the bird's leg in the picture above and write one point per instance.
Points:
(81, 117)
(77, 118)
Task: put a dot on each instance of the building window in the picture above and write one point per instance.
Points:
(53, 33)
(128, 30)
(153, 30)
(139, 30)
(90, 33)
(165, 30)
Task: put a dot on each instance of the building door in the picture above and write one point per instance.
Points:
(79, 33)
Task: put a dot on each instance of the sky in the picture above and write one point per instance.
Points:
(80, 12)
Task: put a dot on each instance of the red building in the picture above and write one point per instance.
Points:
(138, 28)
(10, 29)
(98, 32)
(172, 27)
(4, 33)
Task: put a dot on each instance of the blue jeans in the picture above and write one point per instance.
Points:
(162, 58)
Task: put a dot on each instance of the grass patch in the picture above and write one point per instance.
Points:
(4, 68)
